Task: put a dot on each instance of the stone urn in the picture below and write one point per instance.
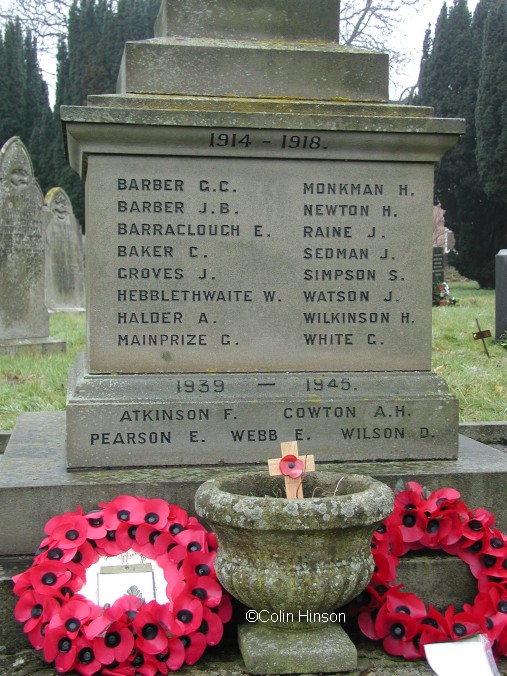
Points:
(294, 563)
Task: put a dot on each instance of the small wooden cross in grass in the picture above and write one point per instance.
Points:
(292, 467)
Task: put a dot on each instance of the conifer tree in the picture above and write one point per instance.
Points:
(12, 106)
(491, 110)
(450, 82)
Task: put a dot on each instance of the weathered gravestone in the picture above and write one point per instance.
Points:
(24, 319)
(500, 293)
(64, 256)
(258, 270)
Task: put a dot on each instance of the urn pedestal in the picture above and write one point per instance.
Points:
(294, 562)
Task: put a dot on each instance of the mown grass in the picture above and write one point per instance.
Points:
(34, 383)
(479, 383)
(39, 383)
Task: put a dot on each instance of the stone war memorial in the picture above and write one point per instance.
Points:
(24, 319)
(258, 271)
(65, 290)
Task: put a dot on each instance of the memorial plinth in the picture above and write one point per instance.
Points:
(259, 249)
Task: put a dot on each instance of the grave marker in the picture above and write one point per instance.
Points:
(482, 335)
(64, 261)
(24, 319)
(500, 293)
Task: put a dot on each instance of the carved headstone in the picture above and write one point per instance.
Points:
(24, 319)
(23, 313)
(64, 263)
(500, 293)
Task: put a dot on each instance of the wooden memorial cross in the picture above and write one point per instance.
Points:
(295, 463)
(481, 335)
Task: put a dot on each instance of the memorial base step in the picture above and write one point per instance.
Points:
(35, 483)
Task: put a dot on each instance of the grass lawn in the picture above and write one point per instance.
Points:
(479, 383)
(40, 383)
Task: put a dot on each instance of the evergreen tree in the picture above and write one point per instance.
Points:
(12, 106)
(491, 110)
(24, 104)
(450, 82)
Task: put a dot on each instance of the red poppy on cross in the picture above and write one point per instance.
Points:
(292, 467)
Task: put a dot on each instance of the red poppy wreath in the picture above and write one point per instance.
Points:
(435, 521)
(127, 635)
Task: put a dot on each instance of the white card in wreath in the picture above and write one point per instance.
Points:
(467, 657)
(128, 573)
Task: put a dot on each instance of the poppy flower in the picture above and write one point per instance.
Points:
(211, 627)
(145, 540)
(49, 577)
(125, 536)
(193, 540)
(212, 541)
(35, 609)
(145, 665)
(475, 527)
(102, 623)
(174, 656)
(195, 645)
(206, 589)
(156, 513)
(86, 661)
(67, 530)
(461, 624)
(224, 608)
(37, 636)
(397, 630)
(150, 626)
(291, 466)
(96, 525)
(199, 563)
(490, 610)
(116, 644)
(385, 562)
(397, 601)
(445, 498)
(108, 546)
(122, 509)
(186, 614)
(167, 549)
(73, 615)
(117, 669)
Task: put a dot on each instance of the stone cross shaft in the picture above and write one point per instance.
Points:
(293, 486)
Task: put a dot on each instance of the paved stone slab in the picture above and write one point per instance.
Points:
(34, 477)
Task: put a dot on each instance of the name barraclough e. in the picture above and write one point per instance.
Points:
(179, 229)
